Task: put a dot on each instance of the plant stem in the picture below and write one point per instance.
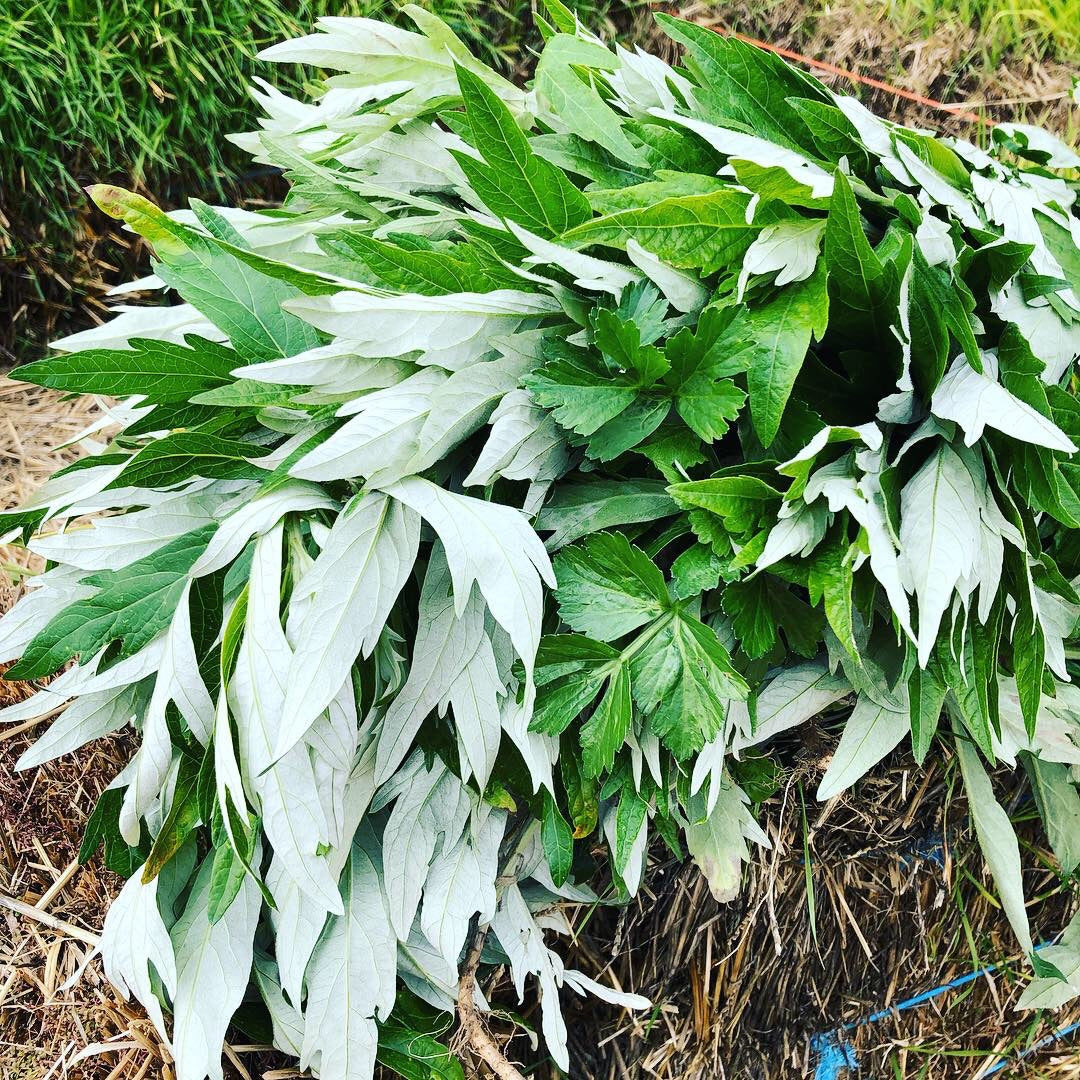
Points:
(472, 1026)
(476, 1034)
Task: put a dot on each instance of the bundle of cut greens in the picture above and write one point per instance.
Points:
(473, 514)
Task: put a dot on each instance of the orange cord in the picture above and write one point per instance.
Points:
(877, 84)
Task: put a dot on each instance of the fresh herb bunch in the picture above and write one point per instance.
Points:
(785, 391)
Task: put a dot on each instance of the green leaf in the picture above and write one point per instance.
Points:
(602, 397)
(576, 155)
(752, 616)
(830, 580)
(926, 698)
(928, 335)
(226, 877)
(692, 232)
(780, 333)
(759, 606)
(629, 430)
(415, 1055)
(132, 606)
(102, 826)
(620, 342)
(580, 793)
(513, 182)
(1034, 286)
(863, 290)
(575, 100)
(702, 363)
(217, 224)
(668, 184)
(833, 135)
(230, 866)
(169, 417)
(1059, 808)
(745, 87)
(607, 400)
(1029, 659)
(933, 152)
(418, 269)
(629, 817)
(952, 301)
(684, 679)
(26, 522)
(604, 733)
(673, 450)
(996, 263)
(642, 306)
(607, 587)
(249, 394)
(695, 571)
(239, 300)
(183, 817)
(570, 670)
(773, 182)
(581, 507)
(163, 372)
(580, 389)
(1062, 244)
(672, 149)
(959, 676)
(317, 186)
(184, 454)
(557, 840)
(742, 503)
(563, 18)
(996, 838)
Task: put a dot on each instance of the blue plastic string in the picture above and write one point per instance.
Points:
(836, 1055)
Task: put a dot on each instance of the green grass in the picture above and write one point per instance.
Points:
(143, 92)
(148, 88)
(1037, 28)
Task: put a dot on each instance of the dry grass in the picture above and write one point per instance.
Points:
(945, 64)
(35, 427)
(44, 1024)
(903, 905)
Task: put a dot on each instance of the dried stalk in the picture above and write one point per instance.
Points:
(476, 1034)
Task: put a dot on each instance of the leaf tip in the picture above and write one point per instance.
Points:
(109, 198)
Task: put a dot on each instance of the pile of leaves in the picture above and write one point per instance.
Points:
(480, 513)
